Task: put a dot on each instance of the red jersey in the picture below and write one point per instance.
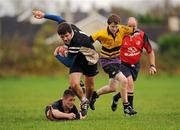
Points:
(132, 47)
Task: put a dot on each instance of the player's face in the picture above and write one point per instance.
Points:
(132, 22)
(66, 37)
(113, 28)
(69, 102)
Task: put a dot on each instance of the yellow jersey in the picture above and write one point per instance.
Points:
(111, 44)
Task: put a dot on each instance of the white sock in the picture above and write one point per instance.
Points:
(83, 99)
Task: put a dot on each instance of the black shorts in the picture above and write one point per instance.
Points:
(132, 70)
(112, 69)
(80, 64)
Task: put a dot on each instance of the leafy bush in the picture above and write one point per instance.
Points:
(149, 19)
(169, 51)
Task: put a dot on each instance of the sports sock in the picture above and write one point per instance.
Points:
(95, 95)
(117, 96)
(125, 104)
(130, 98)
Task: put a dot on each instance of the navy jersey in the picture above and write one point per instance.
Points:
(59, 106)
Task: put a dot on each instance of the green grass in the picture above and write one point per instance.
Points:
(22, 102)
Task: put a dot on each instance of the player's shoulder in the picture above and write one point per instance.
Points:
(141, 31)
(124, 28)
(121, 26)
(57, 103)
(102, 32)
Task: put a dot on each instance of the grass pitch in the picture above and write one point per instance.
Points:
(22, 103)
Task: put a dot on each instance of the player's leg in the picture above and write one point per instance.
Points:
(89, 84)
(130, 90)
(108, 88)
(111, 70)
(104, 90)
(124, 83)
(75, 84)
(68, 62)
(126, 72)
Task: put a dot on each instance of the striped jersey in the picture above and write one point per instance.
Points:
(110, 44)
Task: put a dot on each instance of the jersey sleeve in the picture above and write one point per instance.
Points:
(56, 18)
(127, 30)
(147, 44)
(95, 36)
(55, 105)
(76, 112)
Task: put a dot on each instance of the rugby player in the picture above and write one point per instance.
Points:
(63, 109)
(130, 54)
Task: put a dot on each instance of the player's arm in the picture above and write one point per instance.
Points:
(61, 115)
(152, 69)
(40, 14)
(151, 55)
(77, 113)
(127, 30)
(95, 36)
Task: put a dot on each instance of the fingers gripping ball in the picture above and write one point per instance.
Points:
(63, 51)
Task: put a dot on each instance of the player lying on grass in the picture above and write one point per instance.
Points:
(63, 109)
(130, 54)
(84, 61)
(111, 40)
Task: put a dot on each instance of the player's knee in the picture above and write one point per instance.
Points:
(74, 84)
(130, 88)
(124, 82)
(122, 79)
(112, 87)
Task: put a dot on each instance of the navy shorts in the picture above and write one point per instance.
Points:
(80, 64)
(128, 69)
(112, 69)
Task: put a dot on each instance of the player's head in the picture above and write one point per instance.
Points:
(132, 22)
(68, 98)
(65, 32)
(113, 22)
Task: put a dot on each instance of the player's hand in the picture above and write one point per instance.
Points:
(71, 116)
(38, 14)
(152, 70)
(82, 117)
(61, 50)
(56, 52)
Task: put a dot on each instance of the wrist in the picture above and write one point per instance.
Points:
(152, 65)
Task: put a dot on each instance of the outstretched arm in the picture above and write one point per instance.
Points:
(40, 14)
(61, 115)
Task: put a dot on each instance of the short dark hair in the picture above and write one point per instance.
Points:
(113, 19)
(68, 92)
(64, 28)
